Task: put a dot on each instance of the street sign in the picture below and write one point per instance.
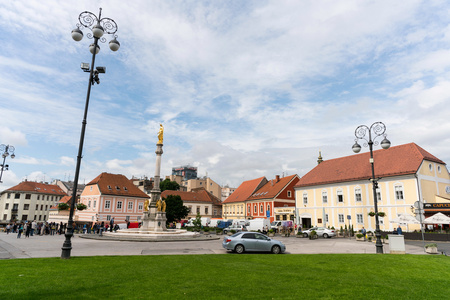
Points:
(349, 217)
(420, 217)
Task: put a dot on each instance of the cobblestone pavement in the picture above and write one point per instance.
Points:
(50, 246)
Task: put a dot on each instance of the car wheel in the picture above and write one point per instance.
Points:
(305, 235)
(276, 249)
(325, 235)
(239, 249)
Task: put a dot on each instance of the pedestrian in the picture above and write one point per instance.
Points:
(20, 230)
(8, 228)
(28, 230)
(399, 230)
(33, 227)
(52, 228)
(15, 228)
(363, 231)
(102, 227)
(111, 224)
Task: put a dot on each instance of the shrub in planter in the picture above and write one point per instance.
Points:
(63, 206)
(360, 235)
(233, 231)
(81, 206)
(369, 238)
(219, 230)
(431, 245)
(372, 214)
(381, 214)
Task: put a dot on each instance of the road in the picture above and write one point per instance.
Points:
(50, 246)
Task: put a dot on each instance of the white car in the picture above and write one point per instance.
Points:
(321, 231)
(236, 228)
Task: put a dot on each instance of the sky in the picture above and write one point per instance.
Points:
(244, 89)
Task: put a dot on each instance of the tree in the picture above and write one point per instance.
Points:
(197, 222)
(166, 184)
(175, 210)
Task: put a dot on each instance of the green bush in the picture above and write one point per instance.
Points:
(360, 235)
(431, 245)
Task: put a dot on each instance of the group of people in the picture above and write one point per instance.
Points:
(28, 228)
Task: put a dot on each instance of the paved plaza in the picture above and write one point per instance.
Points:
(50, 246)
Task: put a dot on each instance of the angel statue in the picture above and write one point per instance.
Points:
(163, 206)
(159, 205)
(160, 134)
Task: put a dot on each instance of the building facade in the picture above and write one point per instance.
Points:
(29, 201)
(226, 192)
(339, 193)
(199, 201)
(261, 198)
(111, 196)
(186, 172)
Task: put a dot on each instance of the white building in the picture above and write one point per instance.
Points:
(29, 201)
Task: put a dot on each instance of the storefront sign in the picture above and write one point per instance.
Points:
(436, 205)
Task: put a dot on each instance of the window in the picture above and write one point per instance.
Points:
(398, 192)
(5, 217)
(340, 196)
(125, 189)
(91, 187)
(37, 207)
(48, 197)
(24, 218)
(326, 218)
(206, 210)
(117, 188)
(324, 197)
(39, 197)
(95, 204)
(108, 218)
(249, 210)
(268, 208)
(6, 207)
(341, 218)
(378, 195)
(130, 205)
(46, 207)
(439, 169)
(26, 206)
(198, 209)
(430, 166)
(254, 209)
(261, 209)
(305, 199)
(358, 197)
(89, 204)
(119, 204)
(127, 218)
(42, 207)
(284, 217)
(140, 206)
(277, 217)
(359, 219)
(109, 187)
(17, 196)
(190, 208)
(289, 194)
(108, 204)
(9, 197)
(215, 212)
(27, 196)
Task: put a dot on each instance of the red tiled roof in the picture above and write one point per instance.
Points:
(399, 160)
(272, 188)
(245, 190)
(64, 199)
(116, 184)
(37, 187)
(201, 195)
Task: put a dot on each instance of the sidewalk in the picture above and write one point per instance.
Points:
(50, 246)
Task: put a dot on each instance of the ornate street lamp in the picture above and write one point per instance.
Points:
(377, 129)
(7, 151)
(98, 27)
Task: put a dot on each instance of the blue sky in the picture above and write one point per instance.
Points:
(243, 88)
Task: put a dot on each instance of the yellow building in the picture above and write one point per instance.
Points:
(339, 192)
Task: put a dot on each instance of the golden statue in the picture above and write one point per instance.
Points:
(160, 134)
(159, 205)
(163, 206)
(146, 202)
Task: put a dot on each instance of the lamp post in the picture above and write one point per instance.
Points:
(7, 151)
(377, 129)
(98, 26)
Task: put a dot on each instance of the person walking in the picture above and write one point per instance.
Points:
(399, 230)
(33, 227)
(111, 224)
(8, 228)
(27, 230)
(364, 232)
(20, 230)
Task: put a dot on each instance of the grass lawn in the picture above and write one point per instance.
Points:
(228, 276)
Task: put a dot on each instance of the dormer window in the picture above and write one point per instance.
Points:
(125, 188)
(117, 188)
(109, 187)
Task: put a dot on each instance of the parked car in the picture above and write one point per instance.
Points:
(321, 231)
(252, 241)
(236, 228)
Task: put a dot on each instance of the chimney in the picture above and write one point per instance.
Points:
(278, 178)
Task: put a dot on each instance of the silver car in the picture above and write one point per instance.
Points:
(252, 241)
(321, 231)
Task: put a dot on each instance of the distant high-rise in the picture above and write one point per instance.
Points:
(187, 172)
